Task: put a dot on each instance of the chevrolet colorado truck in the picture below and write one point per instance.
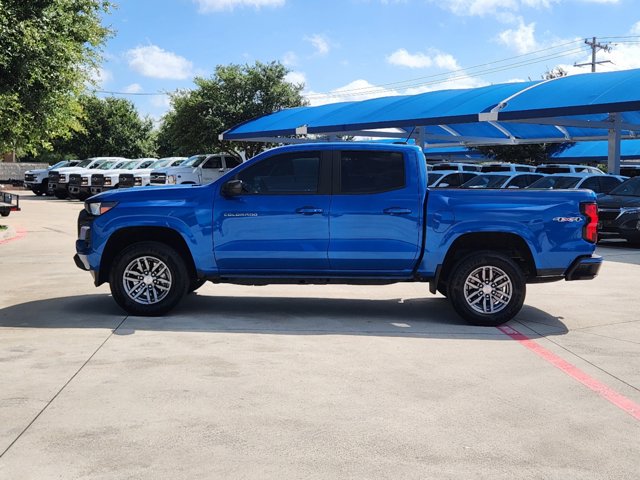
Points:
(337, 213)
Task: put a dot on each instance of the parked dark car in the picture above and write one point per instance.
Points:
(619, 212)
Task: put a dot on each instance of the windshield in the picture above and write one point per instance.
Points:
(146, 164)
(160, 163)
(630, 188)
(120, 164)
(486, 181)
(106, 165)
(98, 164)
(129, 165)
(434, 177)
(84, 163)
(556, 182)
(60, 164)
(194, 161)
(175, 163)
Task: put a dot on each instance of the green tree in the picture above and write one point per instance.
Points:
(48, 51)
(533, 154)
(109, 127)
(234, 94)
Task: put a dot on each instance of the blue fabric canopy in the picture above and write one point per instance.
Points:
(563, 109)
(598, 151)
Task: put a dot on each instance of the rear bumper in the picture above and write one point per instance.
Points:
(584, 268)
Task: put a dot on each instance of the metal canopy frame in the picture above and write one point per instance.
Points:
(606, 106)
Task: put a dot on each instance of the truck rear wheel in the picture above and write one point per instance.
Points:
(148, 278)
(487, 288)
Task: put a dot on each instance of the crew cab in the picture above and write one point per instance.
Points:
(346, 213)
(38, 180)
(196, 170)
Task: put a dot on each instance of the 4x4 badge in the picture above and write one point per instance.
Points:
(568, 219)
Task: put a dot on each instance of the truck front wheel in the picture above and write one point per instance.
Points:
(148, 278)
(487, 288)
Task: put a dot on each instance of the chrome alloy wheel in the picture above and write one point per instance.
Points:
(488, 290)
(147, 280)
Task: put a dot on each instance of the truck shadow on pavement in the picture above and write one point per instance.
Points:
(423, 317)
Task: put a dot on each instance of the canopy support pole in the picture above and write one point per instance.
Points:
(613, 163)
(421, 140)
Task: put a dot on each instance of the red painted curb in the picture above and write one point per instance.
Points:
(20, 233)
(619, 400)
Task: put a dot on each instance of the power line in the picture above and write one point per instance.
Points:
(447, 78)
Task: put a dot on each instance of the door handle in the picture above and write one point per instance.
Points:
(309, 210)
(397, 211)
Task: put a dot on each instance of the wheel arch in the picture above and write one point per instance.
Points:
(130, 235)
(511, 244)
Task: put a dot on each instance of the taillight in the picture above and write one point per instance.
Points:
(590, 230)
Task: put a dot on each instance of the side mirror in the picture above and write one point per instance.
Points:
(232, 188)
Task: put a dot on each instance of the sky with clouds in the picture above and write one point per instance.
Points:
(359, 49)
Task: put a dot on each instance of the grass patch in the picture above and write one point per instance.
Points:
(3, 227)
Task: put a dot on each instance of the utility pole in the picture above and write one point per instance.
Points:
(595, 46)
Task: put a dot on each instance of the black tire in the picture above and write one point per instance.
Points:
(509, 293)
(60, 194)
(5, 213)
(442, 290)
(125, 261)
(196, 284)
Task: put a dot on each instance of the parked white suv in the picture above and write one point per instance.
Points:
(552, 168)
(457, 166)
(506, 167)
(198, 169)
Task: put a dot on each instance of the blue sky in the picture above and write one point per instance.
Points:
(358, 49)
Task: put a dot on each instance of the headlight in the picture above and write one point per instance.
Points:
(107, 181)
(85, 181)
(63, 178)
(624, 210)
(171, 179)
(137, 181)
(99, 208)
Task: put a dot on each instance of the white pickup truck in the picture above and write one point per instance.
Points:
(141, 176)
(80, 182)
(109, 179)
(198, 170)
(38, 180)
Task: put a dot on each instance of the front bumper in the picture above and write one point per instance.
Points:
(584, 268)
(83, 243)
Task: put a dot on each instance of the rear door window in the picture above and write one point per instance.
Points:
(363, 172)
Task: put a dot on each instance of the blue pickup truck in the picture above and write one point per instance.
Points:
(347, 213)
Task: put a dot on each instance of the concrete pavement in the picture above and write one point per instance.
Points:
(305, 381)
